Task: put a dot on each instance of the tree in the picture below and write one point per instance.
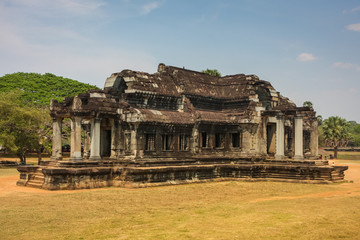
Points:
(212, 72)
(355, 134)
(39, 89)
(319, 119)
(22, 126)
(335, 133)
(308, 104)
(28, 106)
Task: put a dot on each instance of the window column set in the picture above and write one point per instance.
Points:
(75, 139)
(75, 154)
(280, 136)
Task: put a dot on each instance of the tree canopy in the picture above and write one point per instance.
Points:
(23, 127)
(335, 132)
(307, 104)
(25, 123)
(212, 72)
(39, 89)
(355, 134)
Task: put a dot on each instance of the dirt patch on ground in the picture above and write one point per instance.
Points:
(8, 185)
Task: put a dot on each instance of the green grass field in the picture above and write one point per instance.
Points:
(349, 155)
(219, 210)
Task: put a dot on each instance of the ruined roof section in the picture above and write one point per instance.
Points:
(177, 81)
(171, 117)
(284, 104)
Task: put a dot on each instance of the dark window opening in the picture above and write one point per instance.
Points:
(235, 138)
(184, 142)
(150, 142)
(219, 140)
(166, 142)
(204, 139)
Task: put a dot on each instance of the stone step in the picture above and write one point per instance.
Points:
(34, 184)
(38, 178)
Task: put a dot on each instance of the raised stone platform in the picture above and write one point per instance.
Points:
(61, 175)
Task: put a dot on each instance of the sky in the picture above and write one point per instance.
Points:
(308, 50)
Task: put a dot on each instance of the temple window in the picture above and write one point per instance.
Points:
(235, 140)
(205, 140)
(149, 142)
(184, 142)
(219, 140)
(167, 142)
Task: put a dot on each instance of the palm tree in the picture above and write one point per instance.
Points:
(335, 131)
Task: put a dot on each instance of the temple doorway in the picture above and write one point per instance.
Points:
(270, 139)
(105, 143)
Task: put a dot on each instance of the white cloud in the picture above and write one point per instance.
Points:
(346, 66)
(78, 7)
(28, 44)
(306, 57)
(92, 66)
(355, 9)
(147, 8)
(354, 27)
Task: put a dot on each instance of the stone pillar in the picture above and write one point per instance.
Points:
(75, 154)
(56, 139)
(133, 141)
(113, 139)
(95, 139)
(299, 148)
(87, 141)
(194, 145)
(280, 139)
(314, 141)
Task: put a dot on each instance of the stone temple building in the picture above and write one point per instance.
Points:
(179, 126)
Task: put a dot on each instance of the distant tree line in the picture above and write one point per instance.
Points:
(39, 89)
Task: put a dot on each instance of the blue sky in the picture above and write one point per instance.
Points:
(309, 50)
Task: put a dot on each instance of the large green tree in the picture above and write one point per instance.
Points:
(39, 89)
(23, 127)
(335, 133)
(212, 72)
(25, 97)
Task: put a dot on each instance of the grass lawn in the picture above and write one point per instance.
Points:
(349, 155)
(221, 210)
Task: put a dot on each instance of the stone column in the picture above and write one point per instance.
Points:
(299, 148)
(113, 140)
(133, 141)
(87, 141)
(95, 139)
(194, 145)
(280, 139)
(314, 141)
(75, 154)
(56, 139)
